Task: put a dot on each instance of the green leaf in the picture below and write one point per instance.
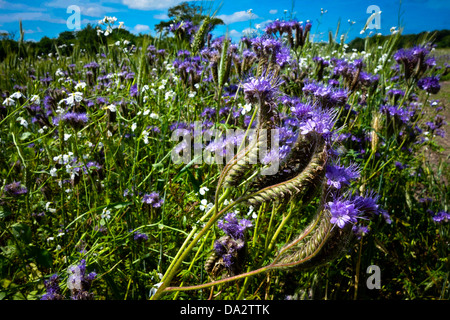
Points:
(25, 135)
(4, 212)
(22, 232)
(42, 256)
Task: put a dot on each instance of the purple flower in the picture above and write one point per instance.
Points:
(134, 91)
(441, 216)
(53, 289)
(260, 89)
(320, 121)
(342, 212)
(79, 283)
(233, 226)
(429, 84)
(140, 237)
(153, 199)
(75, 119)
(15, 189)
(338, 176)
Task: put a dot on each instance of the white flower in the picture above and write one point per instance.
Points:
(192, 94)
(204, 206)
(35, 99)
(145, 136)
(22, 121)
(169, 94)
(112, 108)
(80, 85)
(53, 172)
(154, 116)
(73, 97)
(9, 102)
(16, 95)
(246, 108)
(133, 127)
(106, 214)
(47, 207)
(67, 136)
(203, 190)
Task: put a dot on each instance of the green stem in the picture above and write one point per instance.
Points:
(177, 261)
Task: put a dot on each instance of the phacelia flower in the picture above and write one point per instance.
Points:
(339, 176)
(233, 226)
(429, 84)
(153, 199)
(15, 189)
(342, 212)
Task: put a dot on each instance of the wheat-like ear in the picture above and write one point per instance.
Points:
(245, 161)
(241, 164)
(297, 159)
(200, 35)
(320, 243)
(225, 63)
(305, 184)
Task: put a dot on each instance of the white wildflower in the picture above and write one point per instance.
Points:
(16, 95)
(203, 190)
(9, 102)
(35, 99)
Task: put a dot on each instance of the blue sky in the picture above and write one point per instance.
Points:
(49, 17)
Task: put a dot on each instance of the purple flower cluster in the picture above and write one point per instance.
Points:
(325, 96)
(414, 60)
(53, 290)
(153, 199)
(429, 84)
(229, 247)
(271, 49)
(347, 210)
(233, 226)
(79, 282)
(262, 89)
(75, 119)
(441, 216)
(319, 121)
(184, 29)
(188, 67)
(339, 176)
(139, 237)
(15, 189)
(296, 31)
(343, 212)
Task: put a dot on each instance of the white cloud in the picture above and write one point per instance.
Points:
(87, 8)
(273, 11)
(235, 33)
(18, 6)
(161, 16)
(29, 16)
(150, 4)
(141, 28)
(29, 31)
(237, 17)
